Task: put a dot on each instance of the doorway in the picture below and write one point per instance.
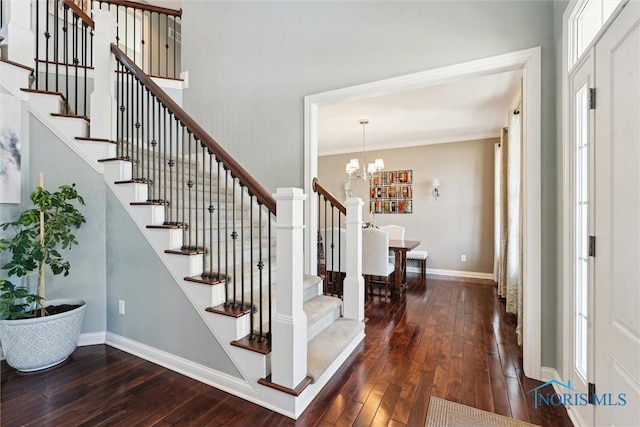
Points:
(529, 62)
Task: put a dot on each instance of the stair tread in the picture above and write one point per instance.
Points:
(43, 92)
(17, 64)
(325, 347)
(89, 139)
(71, 116)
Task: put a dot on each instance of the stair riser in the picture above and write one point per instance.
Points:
(45, 104)
(97, 150)
(117, 171)
(71, 127)
(322, 323)
(191, 265)
(14, 77)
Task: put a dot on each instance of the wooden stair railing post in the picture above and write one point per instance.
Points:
(353, 292)
(102, 101)
(21, 38)
(289, 322)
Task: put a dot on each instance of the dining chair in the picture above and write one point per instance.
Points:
(335, 258)
(396, 232)
(375, 261)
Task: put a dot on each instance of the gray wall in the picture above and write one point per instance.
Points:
(262, 58)
(44, 152)
(157, 313)
(459, 222)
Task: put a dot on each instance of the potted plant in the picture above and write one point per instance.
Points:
(36, 333)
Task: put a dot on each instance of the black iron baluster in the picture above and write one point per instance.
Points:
(269, 277)
(241, 243)
(219, 265)
(234, 236)
(136, 94)
(189, 183)
(326, 250)
(84, 62)
(251, 329)
(65, 29)
(56, 41)
(211, 211)
(120, 110)
(91, 46)
(226, 226)
(198, 225)
(177, 159)
(37, 43)
(47, 35)
(339, 280)
(75, 60)
(154, 144)
(260, 277)
(163, 161)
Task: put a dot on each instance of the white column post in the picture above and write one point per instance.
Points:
(353, 289)
(102, 101)
(21, 39)
(289, 323)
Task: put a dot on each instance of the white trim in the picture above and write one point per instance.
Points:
(548, 374)
(453, 273)
(567, 172)
(416, 143)
(92, 338)
(529, 60)
(196, 371)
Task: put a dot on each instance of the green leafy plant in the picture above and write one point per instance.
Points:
(40, 233)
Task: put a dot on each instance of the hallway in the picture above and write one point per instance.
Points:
(451, 339)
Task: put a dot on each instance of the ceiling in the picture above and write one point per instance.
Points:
(469, 109)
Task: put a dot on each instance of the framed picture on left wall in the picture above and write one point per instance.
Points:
(10, 149)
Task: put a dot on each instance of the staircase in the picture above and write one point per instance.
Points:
(210, 225)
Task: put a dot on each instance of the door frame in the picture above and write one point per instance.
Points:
(529, 61)
(568, 225)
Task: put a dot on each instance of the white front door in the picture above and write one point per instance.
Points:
(581, 373)
(617, 221)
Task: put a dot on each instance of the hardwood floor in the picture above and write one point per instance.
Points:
(451, 339)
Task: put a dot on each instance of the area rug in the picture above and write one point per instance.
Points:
(443, 413)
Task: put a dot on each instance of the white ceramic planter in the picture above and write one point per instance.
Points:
(42, 342)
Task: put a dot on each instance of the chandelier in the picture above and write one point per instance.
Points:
(368, 170)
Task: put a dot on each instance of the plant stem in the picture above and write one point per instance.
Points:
(41, 269)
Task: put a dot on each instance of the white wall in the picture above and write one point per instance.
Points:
(252, 63)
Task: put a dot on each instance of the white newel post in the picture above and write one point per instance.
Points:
(103, 103)
(22, 41)
(353, 289)
(289, 323)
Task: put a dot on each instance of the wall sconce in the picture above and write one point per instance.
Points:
(436, 188)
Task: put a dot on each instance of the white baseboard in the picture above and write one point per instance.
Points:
(455, 273)
(549, 374)
(204, 374)
(92, 338)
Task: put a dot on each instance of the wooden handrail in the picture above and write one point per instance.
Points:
(318, 188)
(144, 6)
(81, 13)
(262, 195)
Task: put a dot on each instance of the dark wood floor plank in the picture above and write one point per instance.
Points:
(445, 337)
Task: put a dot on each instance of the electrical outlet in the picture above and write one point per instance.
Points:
(121, 307)
(463, 258)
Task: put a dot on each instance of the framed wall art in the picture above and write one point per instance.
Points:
(390, 192)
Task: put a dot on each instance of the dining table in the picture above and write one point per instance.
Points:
(400, 249)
